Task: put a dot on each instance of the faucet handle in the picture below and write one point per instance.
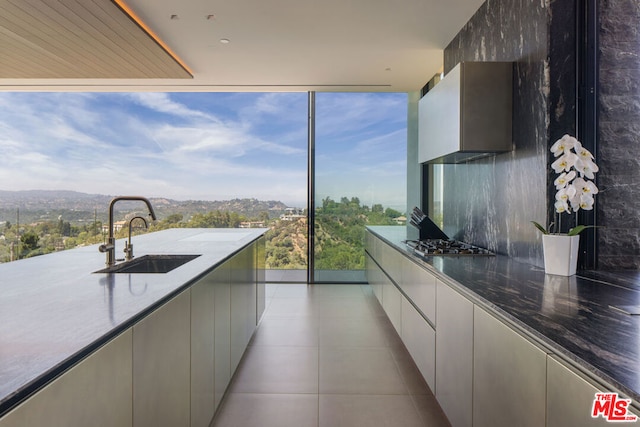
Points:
(105, 247)
(128, 250)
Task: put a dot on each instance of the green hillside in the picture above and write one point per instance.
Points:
(339, 230)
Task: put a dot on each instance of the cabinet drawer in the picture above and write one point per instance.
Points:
(570, 398)
(509, 376)
(392, 303)
(420, 340)
(454, 355)
(420, 287)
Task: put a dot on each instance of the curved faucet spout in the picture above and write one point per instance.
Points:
(146, 224)
(128, 246)
(116, 199)
(110, 246)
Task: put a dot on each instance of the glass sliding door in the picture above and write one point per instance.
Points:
(358, 177)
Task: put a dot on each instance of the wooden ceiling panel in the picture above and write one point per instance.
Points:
(79, 39)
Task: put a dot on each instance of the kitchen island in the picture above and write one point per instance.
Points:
(568, 329)
(56, 313)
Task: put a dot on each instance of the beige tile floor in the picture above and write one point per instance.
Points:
(326, 356)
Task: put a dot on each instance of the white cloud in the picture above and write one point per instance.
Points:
(210, 138)
(339, 114)
(381, 145)
(216, 147)
(162, 103)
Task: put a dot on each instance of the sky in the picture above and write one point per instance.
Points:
(204, 146)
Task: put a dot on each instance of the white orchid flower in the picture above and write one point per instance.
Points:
(583, 153)
(563, 145)
(575, 169)
(585, 186)
(564, 162)
(562, 207)
(590, 189)
(564, 179)
(586, 202)
(586, 167)
(575, 203)
(566, 194)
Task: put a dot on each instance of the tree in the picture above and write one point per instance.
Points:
(392, 213)
(174, 218)
(29, 241)
(66, 229)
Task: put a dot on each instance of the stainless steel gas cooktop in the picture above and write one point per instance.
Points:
(433, 241)
(429, 247)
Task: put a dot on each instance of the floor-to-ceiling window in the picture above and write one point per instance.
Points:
(359, 177)
(205, 160)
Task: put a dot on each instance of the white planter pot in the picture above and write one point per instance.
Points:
(560, 254)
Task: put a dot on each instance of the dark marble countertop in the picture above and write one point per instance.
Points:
(570, 316)
(54, 310)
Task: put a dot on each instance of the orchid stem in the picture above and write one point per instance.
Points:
(559, 223)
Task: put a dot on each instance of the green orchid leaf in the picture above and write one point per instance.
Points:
(579, 228)
(540, 227)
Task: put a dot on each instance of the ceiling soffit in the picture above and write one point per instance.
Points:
(80, 39)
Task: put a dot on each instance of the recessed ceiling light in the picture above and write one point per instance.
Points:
(211, 17)
(175, 17)
(224, 41)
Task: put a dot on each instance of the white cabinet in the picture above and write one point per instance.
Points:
(570, 398)
(420, 339)
(416, 332)
(509, 376)
(203, 350)
(171, 368)
(392, 303)
(484, 371)
(261, 267)
(420, 288)
(243, 302)
(161, 365)
(390, 260)
(222, 334)
(374, 273)
(370, 242)
(374, 277)
(225, 307)
(95, 392)
(454, 355)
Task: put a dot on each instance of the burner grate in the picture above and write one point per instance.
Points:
(429, 247)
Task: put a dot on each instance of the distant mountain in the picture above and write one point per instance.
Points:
(72, 206)
(30, 197)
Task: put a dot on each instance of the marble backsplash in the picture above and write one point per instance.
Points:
(618, 204)
(490, 202)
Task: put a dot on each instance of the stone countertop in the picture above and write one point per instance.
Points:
(54, 310)
(570, 316)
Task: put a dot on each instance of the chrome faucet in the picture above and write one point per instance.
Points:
(110, 247)
(128, 246)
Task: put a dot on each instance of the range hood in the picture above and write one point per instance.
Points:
(468, 114)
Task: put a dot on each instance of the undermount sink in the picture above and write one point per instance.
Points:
(150, 264)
